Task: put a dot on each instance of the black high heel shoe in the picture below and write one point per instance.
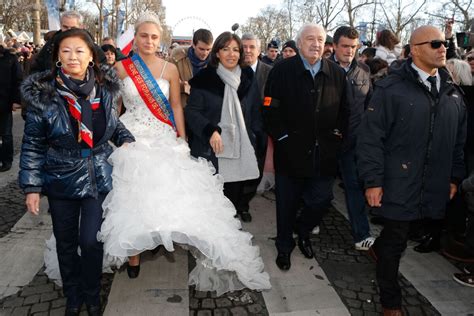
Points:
(133, 271)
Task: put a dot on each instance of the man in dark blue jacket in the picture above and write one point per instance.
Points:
(410, 152)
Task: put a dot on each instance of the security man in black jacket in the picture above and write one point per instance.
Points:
(410, 151)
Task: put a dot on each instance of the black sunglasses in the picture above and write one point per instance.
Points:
(435, 44)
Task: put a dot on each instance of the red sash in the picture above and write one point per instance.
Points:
(144, 91)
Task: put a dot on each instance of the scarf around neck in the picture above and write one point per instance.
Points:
(196, 62)
(81, 98)
(237, 162)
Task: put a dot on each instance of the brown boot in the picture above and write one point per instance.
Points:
(392, 312)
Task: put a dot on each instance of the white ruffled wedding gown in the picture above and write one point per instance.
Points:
(162, 195)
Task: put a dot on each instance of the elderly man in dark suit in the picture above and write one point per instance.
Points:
(306, 115)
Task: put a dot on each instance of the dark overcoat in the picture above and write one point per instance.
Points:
(300, 111)
(411, 144)
(203, 111)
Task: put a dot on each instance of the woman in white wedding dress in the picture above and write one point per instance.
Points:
(163, 196)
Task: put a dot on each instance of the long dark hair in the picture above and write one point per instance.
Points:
(220, 42)
(87, 38)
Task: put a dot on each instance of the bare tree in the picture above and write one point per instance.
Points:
(290, 7)
(352, 7)
(322, 12)
(400, 13)
(307, 11)
(16, 15)
(464, 7)
(270, 23)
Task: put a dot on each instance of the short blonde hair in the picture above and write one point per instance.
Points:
(460, 71)
(148, 17)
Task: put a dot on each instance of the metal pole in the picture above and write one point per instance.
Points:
(36, 22)
(101, 20)
(373, 24)
(117, 8)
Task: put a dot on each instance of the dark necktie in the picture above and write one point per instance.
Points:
(434, 88)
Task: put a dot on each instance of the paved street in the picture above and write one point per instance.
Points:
(339, 281)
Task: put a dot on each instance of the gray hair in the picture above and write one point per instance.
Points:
(306, 27)
(460, 71)
(148, 17)
(73, 15)
(250, 37)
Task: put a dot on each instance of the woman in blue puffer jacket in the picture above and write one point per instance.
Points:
(71, 117)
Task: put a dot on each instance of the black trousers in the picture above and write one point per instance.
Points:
(389, 247)
(316, 193)
(76, 223)
(240, 193)
(6, 148)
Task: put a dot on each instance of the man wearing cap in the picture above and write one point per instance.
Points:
(346, 42)
(289, 49)
(328, 47)
(271, 54)
(305, 114)
(190, 60)
(410, 152)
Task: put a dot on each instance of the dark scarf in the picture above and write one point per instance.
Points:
(196, 62)
(80, 96)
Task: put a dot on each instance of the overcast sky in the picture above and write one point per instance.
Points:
(217, 14)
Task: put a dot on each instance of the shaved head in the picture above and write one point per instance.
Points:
(427, 48)
(422, 34)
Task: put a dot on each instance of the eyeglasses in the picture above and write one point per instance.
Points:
(435, 44)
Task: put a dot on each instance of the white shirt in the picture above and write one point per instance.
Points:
(254, 66)
(424, 77)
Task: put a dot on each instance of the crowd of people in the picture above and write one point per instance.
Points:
(197, 131)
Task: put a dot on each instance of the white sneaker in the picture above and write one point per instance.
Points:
(315, 231)
(365, 244)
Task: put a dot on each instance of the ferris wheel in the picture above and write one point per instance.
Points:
(192, 19)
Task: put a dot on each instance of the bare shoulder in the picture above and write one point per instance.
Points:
(122, 74)
(171, 71)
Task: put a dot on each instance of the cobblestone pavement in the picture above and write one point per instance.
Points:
(238, 303)
(42, 298)
(352, 272)
(12, 207)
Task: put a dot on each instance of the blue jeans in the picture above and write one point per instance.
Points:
(355, 199)
(80, 274)
(316, 192)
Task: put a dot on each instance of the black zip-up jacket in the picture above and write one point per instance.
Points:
(358, 96)
(52, 161)
(411, 144)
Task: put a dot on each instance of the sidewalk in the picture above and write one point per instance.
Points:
(339, 281)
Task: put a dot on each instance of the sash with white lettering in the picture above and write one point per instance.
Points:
(149, 89)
